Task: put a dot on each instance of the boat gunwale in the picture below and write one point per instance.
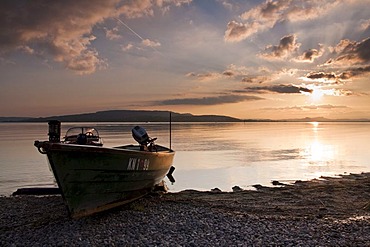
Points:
(64, 147)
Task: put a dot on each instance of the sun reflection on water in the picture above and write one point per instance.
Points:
(315, 126)
(318, 152)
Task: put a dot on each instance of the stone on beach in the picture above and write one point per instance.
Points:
(325, 212)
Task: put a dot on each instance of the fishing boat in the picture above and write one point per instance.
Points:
(93, 178)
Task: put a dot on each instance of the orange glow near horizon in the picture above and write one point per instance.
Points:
(130, 56)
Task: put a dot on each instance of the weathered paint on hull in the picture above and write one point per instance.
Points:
(94, 179)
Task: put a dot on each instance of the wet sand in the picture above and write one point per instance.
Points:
(327, 212)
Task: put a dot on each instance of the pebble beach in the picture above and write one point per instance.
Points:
(330, 211)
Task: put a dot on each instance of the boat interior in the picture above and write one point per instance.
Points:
(83, 136)
(90, 136)
(154, 148)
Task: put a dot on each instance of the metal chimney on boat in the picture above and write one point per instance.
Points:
(54, 131)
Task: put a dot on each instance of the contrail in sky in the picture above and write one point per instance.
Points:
(130, 29)
(142, 39)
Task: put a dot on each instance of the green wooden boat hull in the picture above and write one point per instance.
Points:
(94, 179)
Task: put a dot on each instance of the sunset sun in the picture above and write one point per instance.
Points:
(317, 94)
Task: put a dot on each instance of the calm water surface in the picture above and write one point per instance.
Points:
(208, 155)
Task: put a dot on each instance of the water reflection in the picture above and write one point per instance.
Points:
(209, 155)
(315, 126)
(318, 153)
(259, 153)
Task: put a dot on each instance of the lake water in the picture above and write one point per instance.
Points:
(208, 155)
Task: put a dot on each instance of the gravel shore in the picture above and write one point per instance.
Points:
(324, 212)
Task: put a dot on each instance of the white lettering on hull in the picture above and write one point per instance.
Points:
(136, 164)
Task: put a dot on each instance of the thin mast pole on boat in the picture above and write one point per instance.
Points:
(170, 130)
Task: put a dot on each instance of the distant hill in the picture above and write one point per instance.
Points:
(14, 119)
(135, 116)
(159, 116)
(322, 119)
(309, 119)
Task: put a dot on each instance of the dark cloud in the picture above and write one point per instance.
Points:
(62, 29)
(310, 55)
(228, 73)
(283, 89)
(351, 53)
(212, 75)
(256, 79)
(354, 72)
(223, 99)
(57, 28)
(351, 59)
(319, 75)
(204, 76)
(286, 47)
(329, 77)
(359, 71)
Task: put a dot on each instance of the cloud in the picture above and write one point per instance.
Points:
(308, 107)
(350, 53)
(310, 55)
(364, 24)
(359, 71)
(62, 29)
(205, 76)
(238, 31)
(328, 77)
(317, 107)
(283, 89)
(57, 28)
(139, 8)
(257, 79)
(127, 47)
(237, 73)
(287, 46)
(112, 34)
(351, 57)
(136, 9)
(223, 99)
(150, 43)
(265, 15)
(177, 3)
(262, 17)
(267, 11)
(306, 10)
(228, 73)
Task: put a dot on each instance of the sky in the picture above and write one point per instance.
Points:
(256, 59)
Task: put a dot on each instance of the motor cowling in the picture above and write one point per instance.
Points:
(140, 135)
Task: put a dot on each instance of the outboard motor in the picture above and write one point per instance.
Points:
(54, 131)
(140, 135)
